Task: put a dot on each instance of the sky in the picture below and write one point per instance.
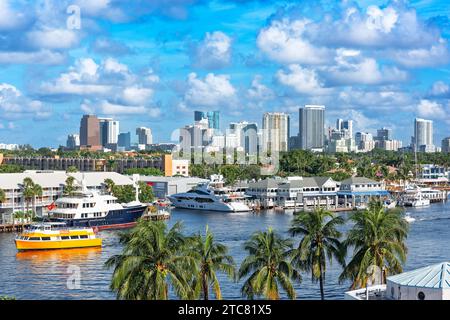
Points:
(153, 62)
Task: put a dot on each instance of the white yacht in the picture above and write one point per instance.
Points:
(89, 208)
(415, 197)
(204, 197)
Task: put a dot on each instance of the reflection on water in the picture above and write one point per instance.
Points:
(44, 274)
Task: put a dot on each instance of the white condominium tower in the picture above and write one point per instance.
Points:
(312, 127)
(423, 135)
(275, 133)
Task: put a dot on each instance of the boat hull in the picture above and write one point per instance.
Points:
(115, 219)
(63, 244)
(218, 206)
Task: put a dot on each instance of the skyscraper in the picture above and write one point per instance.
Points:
(311, 127)
(423, 135)
(90, 132)
(212, 117)
(109, 131)
(246, 135)
(445, 145)
(384, 134)
(124, 140)
(73, 141)
(276, 128)
(144, 135)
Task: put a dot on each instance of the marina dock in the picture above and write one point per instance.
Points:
(13, 227)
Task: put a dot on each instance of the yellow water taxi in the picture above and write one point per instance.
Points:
(45, 236)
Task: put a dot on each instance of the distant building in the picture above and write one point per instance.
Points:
(90, 133)
(6, 146)
(312, 127)
(345, 127)
(73, 141)
(423, 135)
(109, 131)
(445, 145)
(124, 141)
(384, 134)
(246, 135)
(213, 118)
(144, 135)
(276, 129)
(166, 186)
(364, 141)
(389, 145)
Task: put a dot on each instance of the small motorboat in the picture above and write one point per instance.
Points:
(409, 219)
(54, 235)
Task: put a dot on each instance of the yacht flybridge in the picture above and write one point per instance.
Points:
(205, 197)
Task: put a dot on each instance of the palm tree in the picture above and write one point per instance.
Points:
(152, 259)
(269, 266)
(37, 192)
(28, 194)
(378, 240)
(3, 199)
(210, 257)
(69, 187)
(109, 185)
(320, 243)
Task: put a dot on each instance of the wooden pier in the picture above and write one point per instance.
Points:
(157, 216)
(13, 227)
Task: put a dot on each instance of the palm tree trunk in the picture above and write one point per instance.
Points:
(322, 293)
(205, 287)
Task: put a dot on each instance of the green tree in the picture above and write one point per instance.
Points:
(10, 168)
(153, 258)
(37, 192)
(109, 183)
(72, 169)
(28, 192)
(144, 171)
(145, 193)
(320, 242)
(210, 257)
(269, 266)
(69, 187)
(378, 239)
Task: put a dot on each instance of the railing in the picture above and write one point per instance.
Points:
(366, 293)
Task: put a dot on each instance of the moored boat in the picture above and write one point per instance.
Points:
(45, 236)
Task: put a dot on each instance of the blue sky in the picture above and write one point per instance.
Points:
(152, 62)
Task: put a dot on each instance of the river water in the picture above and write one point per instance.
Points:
(48, 275)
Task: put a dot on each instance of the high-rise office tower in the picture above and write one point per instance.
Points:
(384, 134)
(90, 132)
(73, 141)
(423, 134)
(312, 127)
(445, 145)
(246, 135)
(276, 129)
(109, 131)
(212, 117)
(124, 140)
(144, 135)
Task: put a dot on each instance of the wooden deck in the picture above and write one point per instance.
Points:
(12, 228)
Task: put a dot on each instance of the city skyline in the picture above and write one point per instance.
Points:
(386, 65)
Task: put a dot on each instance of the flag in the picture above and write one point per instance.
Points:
(51, 206)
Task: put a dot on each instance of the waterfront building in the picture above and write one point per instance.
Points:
(144, 135)
(427, 283)
(212, 117)
(52, 183)
(311, 127)
(166, 186)
(90, 133)
(445, 145)
(276, 128)
(73, 141)
(165, 163)
(246, 135)
(307, 191)
(357, 191)
(124, 141)
(433, 174)
(423, 135)
(264, 191)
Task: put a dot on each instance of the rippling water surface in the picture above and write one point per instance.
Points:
(44, 275)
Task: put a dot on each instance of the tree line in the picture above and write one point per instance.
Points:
(157, 262)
